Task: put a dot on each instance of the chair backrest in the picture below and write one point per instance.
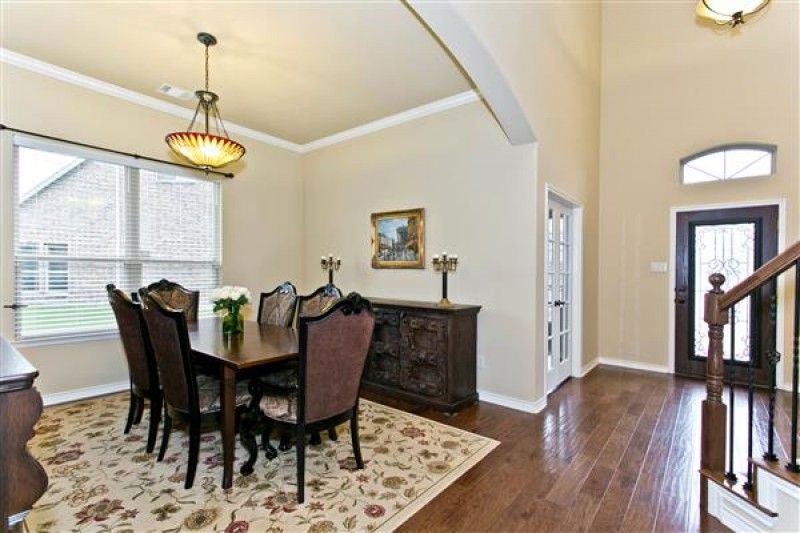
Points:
(318, 301)
(177, 297)
(135, 340)
(333, 352)
(277, 307)
(170, 340)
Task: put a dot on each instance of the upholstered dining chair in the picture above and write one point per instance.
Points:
(177, 297)
(277, 307)
(316, 302)
(185, 391)
(142, 367)
(286, 377)
(333, 351)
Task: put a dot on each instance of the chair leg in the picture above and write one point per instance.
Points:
(248, 439)
(155, 419)
(165, 435)
(354, 437)
(139, 410)
(315, 439)
(269, 449)
(131, 412)
(332, 434)
(194, 451)
(286, 442)
(300, 445)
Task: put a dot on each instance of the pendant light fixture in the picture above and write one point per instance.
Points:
(729, 12)
(203, 148)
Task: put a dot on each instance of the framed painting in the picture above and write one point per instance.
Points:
(398, 239)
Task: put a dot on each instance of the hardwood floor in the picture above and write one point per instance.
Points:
(615, 451)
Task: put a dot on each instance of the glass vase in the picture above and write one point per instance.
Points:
(233, 322)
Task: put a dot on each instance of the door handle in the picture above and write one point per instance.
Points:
(559, 303)
(14, 306)
(680, 296)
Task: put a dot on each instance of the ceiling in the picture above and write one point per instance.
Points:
(300, 71)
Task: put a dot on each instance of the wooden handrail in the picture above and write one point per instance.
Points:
(763, 275)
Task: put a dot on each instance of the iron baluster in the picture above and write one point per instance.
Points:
(792, 464)
(750, 385)
(730, 475)
(772, 359)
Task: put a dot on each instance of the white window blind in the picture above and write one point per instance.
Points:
(82, 221)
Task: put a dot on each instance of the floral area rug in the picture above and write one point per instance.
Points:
(103, 480)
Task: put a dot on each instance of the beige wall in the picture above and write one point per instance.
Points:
(672, 87)
(550, 55)
(262, 206)
(478, 193)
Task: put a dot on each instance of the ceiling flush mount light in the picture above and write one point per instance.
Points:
(203, 148)
(730, 12)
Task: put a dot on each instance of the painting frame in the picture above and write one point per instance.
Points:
(383, 257)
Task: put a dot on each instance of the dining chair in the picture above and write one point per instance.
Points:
(142, 367)
(185, 392)
(333, 350)
(318, 301)
(277, 307)
(177, 297)
(286, 378)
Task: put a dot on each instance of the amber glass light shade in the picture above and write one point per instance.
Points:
(731, 12)
(204, 149)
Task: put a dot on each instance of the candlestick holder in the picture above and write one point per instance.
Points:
(330, 264)
(445, 264)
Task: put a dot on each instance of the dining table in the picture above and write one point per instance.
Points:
(238, 356)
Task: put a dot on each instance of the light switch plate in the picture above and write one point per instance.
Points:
(658, 266)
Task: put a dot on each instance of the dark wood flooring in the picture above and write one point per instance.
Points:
(617, 450)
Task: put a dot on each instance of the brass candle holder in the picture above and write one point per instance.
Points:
(330, 264)
(445, 264)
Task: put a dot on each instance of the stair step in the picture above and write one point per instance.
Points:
(778, 469)
(737, 489)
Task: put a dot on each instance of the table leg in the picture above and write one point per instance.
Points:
(228, 405)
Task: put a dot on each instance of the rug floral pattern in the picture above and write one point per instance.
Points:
(103, 480)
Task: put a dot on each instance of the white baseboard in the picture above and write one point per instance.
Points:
(588, 367)
(85, 392)
(635, 365)
(513, 403)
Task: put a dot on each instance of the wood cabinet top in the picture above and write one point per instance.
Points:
(15, 371)
(426, 306)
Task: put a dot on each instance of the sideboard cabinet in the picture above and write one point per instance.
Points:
(424, 353)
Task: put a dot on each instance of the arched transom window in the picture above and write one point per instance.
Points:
(729, 162)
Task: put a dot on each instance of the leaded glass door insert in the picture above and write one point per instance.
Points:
(733, 242)
(730, 250)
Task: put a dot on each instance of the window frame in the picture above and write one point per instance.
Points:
(772, 149)
(43, 256)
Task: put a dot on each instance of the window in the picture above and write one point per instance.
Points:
(57, 271)
(729, 162)
(83, 220)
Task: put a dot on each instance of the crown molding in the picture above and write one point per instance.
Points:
(93, 84)
(424, 110)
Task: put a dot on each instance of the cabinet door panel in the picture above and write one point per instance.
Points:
(423, 354)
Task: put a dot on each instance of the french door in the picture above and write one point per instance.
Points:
(734, 242)
(558, 292)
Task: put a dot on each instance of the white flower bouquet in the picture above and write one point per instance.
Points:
(231, 299)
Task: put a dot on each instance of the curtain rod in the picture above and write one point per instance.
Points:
(118, 152)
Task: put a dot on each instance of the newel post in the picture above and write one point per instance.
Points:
(713, 421)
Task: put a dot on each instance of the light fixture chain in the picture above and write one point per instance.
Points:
(207, 68)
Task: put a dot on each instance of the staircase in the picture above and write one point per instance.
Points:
(767, 496)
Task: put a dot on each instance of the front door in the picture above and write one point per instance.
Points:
(733, 242)
(558, 289)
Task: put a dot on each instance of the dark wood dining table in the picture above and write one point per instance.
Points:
(236, 356)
